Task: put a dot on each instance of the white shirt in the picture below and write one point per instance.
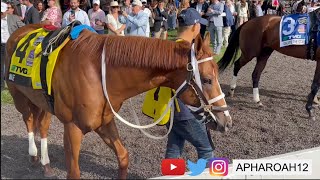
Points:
(310, 9)
(148, 12)
(4, 30)
(199, 7)
(115, 23)
(80, 15)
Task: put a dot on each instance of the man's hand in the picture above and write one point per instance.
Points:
(99, 23)
(202, 13)
(124, 13)
(210, 10)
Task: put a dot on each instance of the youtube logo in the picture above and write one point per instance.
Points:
(173, 167)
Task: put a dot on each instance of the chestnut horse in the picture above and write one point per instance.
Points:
(259, 38)
(133, 65)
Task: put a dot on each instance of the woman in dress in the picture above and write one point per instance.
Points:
(53, 15)
(113, 24)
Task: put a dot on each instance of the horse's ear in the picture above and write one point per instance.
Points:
(198, 43)
(207, 39)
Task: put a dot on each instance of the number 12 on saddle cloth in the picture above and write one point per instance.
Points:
(25, 62)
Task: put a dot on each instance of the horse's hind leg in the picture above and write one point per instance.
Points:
(314, 90)
(256, 74)
(72, 141)
(44, 120)
(29, 114)
(239, 63)
(110, 136)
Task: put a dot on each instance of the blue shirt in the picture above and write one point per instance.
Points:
(80, 15)
(136, 25)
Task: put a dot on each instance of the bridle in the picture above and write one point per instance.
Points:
(195, 82)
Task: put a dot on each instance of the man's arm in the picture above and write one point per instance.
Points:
(86, 18)
(65, 20)
(140, 21)
(18, 21)
(35, 16)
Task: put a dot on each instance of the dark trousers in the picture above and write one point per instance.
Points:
(3, 50)
(203, 29)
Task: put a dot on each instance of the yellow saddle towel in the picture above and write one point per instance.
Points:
(25, 61)
(156, 101)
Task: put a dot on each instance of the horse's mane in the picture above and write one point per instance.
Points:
(133, 51)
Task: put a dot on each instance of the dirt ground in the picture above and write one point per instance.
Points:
(281, 126)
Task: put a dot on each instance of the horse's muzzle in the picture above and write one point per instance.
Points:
(222, 123)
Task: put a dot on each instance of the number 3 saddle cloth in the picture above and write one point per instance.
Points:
(301, 29)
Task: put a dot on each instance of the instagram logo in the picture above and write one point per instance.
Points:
(219, 167)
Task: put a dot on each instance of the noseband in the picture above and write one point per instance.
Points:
(194, 81)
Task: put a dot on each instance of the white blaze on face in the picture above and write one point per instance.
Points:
(32, 145)
(44, 152)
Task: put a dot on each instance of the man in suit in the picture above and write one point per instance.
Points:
(9, 23)
(202, 7)
(160, 21)
(32, 15)
(215, 12)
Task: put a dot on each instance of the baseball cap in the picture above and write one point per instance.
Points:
(143, 1)
(96, 2)
(190, 17)
(137, 3)
(3, 7)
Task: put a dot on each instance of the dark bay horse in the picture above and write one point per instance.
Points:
(79, 100)
(259, 38)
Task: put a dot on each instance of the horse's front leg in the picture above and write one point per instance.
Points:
(110, 136)
(72, 141)
(314, 90)
(45, 119)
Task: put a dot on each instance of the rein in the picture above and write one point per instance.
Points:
(193, 80)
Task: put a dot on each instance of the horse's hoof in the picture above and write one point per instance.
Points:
(34, 160)
(312, 118)
(231, 93)
(260, 104)
(48, 171)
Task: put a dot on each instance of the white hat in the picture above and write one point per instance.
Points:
(3, 7)
(143, 1)
(96, 2)
(137, 3)
(114, 3)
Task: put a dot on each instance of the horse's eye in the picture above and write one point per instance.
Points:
(206, 81)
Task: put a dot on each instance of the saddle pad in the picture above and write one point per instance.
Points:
(294, 30)
(25, 62)
(156, 102)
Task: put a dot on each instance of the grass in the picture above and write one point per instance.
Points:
(6, 97)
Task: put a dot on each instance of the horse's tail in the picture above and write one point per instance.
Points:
(230, 55)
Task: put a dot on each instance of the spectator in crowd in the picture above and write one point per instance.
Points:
(172, 15)
(97, 17)
(32, 15)
(160, 21)
(242, 10)
(146, 9)
(75, 13)
(137, 21)
(12, 9)
(228, 21)
(52, 15)
(234, 15)
(85, 5)
(202, 7)
(186, 125)
(40, 8)
(184, 5)
(259, 11)
(9, 24)
(127, 7)
(214, 13)
(312, 6)
(21, 9)
(114, 25)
